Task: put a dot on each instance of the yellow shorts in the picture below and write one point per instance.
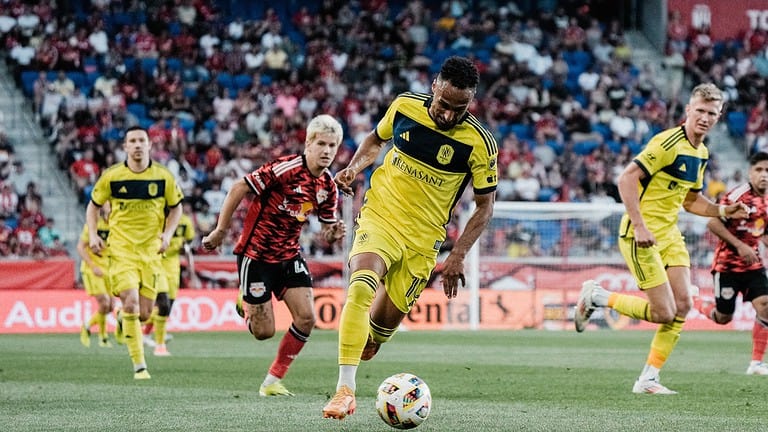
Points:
(407, 270)
(94, 285)
(134, 271)
(172, 271)
(649, 265)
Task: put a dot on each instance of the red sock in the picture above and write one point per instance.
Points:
(759, 340)
(289, 348)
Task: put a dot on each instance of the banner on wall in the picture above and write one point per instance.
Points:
(64, 311)
(30, 274)
(726, 19)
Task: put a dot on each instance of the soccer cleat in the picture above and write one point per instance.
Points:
(85, 337)
(148, 328)
(105, 343)
(584, 306)
(142, 374)
(757, 368)
(704, 306)
(119, 336)
(275, 389)
(370, 349)
(239, 307)
(149, 342)
(341, 405)
(161, 351)
(651, 386)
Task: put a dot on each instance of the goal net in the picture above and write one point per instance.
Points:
(532, 258)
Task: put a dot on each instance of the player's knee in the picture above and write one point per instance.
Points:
(721, 318)
(662, 314)
(305, 323)
(260, 332)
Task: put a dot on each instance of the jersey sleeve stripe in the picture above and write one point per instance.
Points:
(417, 96)
(673, 139)
(490, 143)
(286, 166)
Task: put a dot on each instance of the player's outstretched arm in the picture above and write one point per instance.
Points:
(365, 155)
(453, 267)
(236, 194)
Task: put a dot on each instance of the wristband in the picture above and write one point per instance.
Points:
(721, 210)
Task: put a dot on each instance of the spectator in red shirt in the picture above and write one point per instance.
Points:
(145, 43)
(84, 172)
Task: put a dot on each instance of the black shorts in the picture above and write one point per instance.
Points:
(751, 284)
(259, 280)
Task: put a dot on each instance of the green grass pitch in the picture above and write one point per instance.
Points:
(481, 381)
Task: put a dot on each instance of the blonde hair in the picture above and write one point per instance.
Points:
(322, 124)
(708, 92)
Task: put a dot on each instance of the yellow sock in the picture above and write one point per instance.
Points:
(664, 341)
(631, 306)
(353, 323)
(93, 321)
(133, 338)
(160, 322)
(381, 334)
(101, 320)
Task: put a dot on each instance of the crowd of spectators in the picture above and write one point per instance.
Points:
(24, 230)
(224, 86)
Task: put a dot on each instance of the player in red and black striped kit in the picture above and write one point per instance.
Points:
(737, 266)
(269, 262)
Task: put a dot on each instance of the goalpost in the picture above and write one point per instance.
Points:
(539, 246)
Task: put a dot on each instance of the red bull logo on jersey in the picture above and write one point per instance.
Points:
(299, 211)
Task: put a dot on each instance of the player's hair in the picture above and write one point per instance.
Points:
(707, 91)
(460, 72)
(758, 157)
(135, 128)
(324, 123)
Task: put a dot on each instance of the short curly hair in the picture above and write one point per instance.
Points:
(460, 72)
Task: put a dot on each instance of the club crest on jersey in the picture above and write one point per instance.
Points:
(322, 195)
(445, 154)
(152, 189)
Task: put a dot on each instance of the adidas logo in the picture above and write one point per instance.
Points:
(682, 168)
(406, 136)
(123, 190)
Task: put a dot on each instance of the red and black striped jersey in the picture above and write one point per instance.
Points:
(286, 193)
(749, 230)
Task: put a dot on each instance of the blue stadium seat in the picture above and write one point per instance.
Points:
(148, 65)
(737, 123)
(78, 78)
(585, 147)
(137, 109)
(28, 79)
(174, 64)
(225, 80)
(242, 81)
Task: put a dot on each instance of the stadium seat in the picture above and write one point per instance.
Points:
(174, 64)
(737, 123)
(242, 81)
(28, 79)
(584, 148)
(77, 77)
(224, 79)
(148, 65)
(137, 109)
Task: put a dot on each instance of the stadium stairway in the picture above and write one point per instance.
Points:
(31, 147)
(727, 150)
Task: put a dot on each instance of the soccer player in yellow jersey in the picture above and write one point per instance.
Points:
(93, 270)
(182, 237)
(139, 190)
(667, 174)
(438, 148)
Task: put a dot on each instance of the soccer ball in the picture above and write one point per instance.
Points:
(403, 401)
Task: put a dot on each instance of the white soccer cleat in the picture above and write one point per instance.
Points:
(584, 306)
(757, 368)
(651, 386)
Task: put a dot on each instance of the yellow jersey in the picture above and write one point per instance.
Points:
(138, 205)
(673, 167)
(185, 233)
(423, 176)
(102, 230)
